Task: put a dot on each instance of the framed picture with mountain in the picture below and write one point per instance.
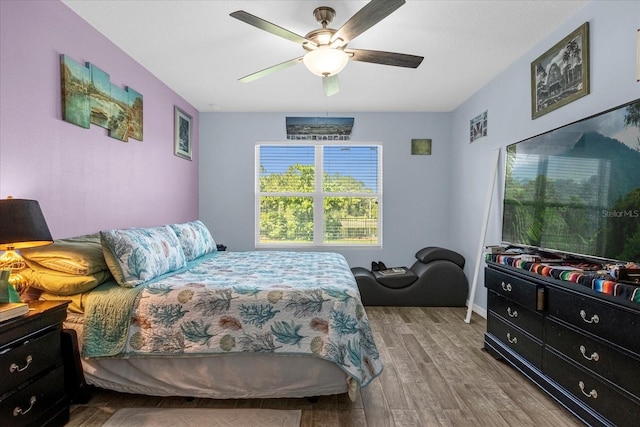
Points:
(561, 74)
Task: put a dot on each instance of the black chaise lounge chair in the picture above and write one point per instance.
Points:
(436, 279)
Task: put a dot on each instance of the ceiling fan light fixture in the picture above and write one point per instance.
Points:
(325, 61)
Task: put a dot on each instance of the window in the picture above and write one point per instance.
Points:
(318, 195)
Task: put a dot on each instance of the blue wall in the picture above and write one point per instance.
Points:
(428, 200)
(613, 48)
(415, 188)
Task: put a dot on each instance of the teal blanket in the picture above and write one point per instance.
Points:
(107, 315)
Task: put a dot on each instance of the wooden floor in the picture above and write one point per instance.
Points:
(435, 374)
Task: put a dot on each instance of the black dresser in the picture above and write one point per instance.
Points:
(581, 346)
(32, 379)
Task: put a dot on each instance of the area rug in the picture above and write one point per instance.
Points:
(203, 417)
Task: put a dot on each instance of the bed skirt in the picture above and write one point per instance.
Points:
(218, 377)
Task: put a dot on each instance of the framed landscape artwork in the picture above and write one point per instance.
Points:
(182, 134)
(89, 97)
(319, 128)
(561, 74)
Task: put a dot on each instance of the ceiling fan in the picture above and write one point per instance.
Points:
(326, 48)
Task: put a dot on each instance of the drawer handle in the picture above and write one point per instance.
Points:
(593, 394)
(513, 313)
(513, 340)
(14, 367)
(506, 286)
(594, 356)
(594, 318)
(18, 410)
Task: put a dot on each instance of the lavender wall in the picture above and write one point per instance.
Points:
(84, 180)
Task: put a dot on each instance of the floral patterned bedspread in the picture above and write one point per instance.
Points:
(258, 302)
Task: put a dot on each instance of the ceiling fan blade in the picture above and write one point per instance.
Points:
(385, 58)
(331, 85)
(372, 13)
(270, 70)
(269, 27)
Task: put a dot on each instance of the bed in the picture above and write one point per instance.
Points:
(169, 315)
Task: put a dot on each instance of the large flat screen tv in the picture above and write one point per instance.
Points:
(576, 190)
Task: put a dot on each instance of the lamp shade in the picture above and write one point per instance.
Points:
(325, 61)
(22, 225)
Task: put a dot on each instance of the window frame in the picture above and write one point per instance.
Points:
(318, 195)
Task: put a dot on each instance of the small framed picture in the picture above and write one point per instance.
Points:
(478, 126)
(421, 147)
(183, 123)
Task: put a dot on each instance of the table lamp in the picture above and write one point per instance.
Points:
(22, 225)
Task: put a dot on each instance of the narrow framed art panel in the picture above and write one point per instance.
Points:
(182, 145)
(76, 101)
(561, 74)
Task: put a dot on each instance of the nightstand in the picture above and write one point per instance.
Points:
(32, 390)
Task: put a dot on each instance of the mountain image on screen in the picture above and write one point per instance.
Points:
(576, 189)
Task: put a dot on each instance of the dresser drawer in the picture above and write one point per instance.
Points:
(32, 404)
(516, 339)
(29, 359)
(618, 367)
(530, 321)
(616, 407)
(524, 292)
(612, 323)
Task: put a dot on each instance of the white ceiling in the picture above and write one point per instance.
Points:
(199, 51)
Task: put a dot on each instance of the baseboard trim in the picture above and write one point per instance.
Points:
(482, 312)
